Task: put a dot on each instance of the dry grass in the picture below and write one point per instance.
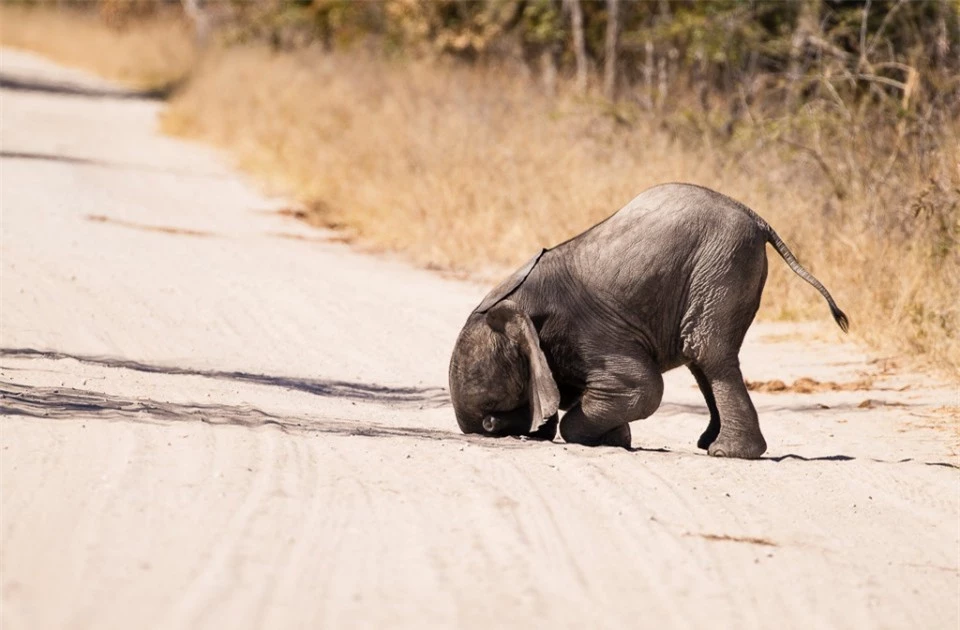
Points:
(142, 53)
(473, 169)
(805, 385)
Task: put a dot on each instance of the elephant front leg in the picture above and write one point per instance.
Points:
(547, 431)
(608, 405)
(739, 434)
(579, 428)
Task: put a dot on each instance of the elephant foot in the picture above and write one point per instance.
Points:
(621, 436)
(708, 437)
(740, 447)
(548, 431)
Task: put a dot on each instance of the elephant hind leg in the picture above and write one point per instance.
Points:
(712, 333)
(739, 432)
(713, 429)
(609, 404)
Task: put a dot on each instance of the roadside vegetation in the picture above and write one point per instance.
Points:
(467, 135)
(148, 49)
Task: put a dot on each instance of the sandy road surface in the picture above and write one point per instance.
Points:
(215, 417)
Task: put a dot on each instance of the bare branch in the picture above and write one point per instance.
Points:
(825, 82)
(838, 188)
(883, 25)
(826, 47)
(863, 33)
(875, 78)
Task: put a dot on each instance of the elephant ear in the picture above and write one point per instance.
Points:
(507, 318)
(508, 286)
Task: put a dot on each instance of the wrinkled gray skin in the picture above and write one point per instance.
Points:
(674, 278)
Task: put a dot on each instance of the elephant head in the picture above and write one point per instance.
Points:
(500, 383)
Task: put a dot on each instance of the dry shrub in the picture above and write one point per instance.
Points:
(473, 169)
(806, 385)
(142, 50)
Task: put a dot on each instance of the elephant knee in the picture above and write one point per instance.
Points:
(627, 398)
(643, 401)
(649, 401)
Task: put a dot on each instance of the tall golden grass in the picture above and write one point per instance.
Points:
(141, 53)
(473, 169)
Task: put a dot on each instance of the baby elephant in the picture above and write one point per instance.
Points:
(674, 278)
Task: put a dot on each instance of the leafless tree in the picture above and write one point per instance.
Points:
(610, 49)
(808, 25)
(200, 20)
(579, 44)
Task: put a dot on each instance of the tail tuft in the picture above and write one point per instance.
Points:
(841, 318)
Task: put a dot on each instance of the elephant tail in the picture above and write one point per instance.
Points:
(774, 239)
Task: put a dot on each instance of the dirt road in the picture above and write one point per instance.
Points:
(216, 417)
